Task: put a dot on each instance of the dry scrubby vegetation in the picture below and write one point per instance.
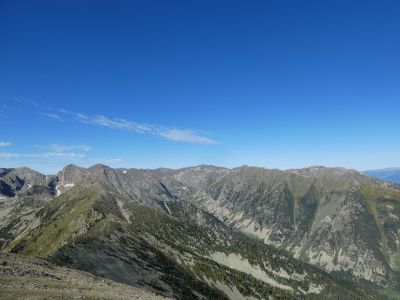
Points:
(151, 231)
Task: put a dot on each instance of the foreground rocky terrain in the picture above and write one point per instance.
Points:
(211, 233)
(30, 278)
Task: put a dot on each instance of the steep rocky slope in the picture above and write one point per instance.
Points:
(338, 219)
(183, 253)
(148, 228)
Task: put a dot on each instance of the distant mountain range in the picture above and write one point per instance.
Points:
(389, 174)
(207, 232)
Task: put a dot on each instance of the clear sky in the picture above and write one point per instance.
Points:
(278, 84)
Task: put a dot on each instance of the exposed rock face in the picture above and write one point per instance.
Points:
(28, 176)
(4, 171)
(15, 181)
(72, 175)
(338, 219)
(176, 252)
(6, 190)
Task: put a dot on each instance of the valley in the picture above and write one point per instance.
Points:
(210, 233)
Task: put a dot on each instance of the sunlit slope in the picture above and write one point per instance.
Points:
(31, 278)
(335, 218)
(186, 254)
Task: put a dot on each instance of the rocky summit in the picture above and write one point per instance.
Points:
(200, 232)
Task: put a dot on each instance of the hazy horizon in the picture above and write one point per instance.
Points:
(199, 165)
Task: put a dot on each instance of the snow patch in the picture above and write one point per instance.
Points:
(58, 192)
(67, 185)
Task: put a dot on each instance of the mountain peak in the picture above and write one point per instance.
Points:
(322, 171)
(72, 174)
(97, 167)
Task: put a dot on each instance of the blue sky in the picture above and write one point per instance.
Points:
(278, 84)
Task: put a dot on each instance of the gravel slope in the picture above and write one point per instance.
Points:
(29, 278)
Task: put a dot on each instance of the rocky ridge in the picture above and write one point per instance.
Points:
(312, 213)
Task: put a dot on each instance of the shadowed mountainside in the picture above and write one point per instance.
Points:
(211, 232)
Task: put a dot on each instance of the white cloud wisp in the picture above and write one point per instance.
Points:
(172, 134)
(10, 155)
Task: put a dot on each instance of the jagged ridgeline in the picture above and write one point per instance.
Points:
(211, 233)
